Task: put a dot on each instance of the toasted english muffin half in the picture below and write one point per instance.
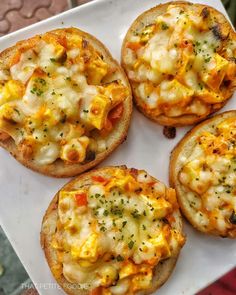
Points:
(180, 59)
(112, 230)
(65, 103)
(202, 170)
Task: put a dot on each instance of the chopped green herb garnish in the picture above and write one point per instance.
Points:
(164, 26)
(135, 214)
(17, 111)
(207, 59)
(131, 244)
(105, 213)
(124, 223)
(119, 258)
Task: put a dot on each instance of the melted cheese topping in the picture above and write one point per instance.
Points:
(208, 178)
(58, 98)
(113, 233)
(181, 63)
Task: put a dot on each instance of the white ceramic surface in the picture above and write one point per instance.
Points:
(25, 195)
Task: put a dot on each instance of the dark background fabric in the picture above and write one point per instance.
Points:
(230, 6)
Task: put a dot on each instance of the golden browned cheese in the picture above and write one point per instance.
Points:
(61, 96)
(112, 233)
(203, 171)
(180, 60)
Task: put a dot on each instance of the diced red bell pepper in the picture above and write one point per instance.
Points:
(81, 199)
(133, 45)
(99, 178)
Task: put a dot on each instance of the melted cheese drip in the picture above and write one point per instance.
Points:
(180, 48)
(54, 94)
(117, 237)
(209, 179)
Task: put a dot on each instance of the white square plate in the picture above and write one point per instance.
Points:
(25, 195)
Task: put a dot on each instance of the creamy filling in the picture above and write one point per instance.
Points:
(208, 178)
(180, 48)
(54, 103)
(113, 233)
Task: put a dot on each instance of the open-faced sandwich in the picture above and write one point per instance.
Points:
(112, 231)
(180, 59)
(203, 172)
(65, 103)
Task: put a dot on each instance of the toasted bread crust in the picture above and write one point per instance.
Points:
(137, 25)
(183, 149)
(119, 133)
(162, 271)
